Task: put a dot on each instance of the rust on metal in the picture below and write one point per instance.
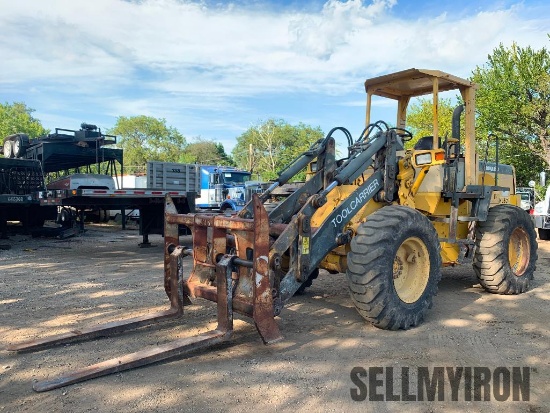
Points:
(240, 305)
(129, 361)
(209, 220)
(263, 298)
(230, 267)
(277, 229)
(166, 351)
(93, 332)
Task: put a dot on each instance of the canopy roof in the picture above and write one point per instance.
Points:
(414, 82)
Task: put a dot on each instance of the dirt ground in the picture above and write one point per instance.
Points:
(49, 286)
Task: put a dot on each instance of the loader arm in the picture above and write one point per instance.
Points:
(307, 248)
(324, 151)
(313, 247)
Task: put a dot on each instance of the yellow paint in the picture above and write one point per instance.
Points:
(405, 177)
(336, 260)
(420, 186)
(335, 198)
(449, 253)
(305, 245)
(411, 269)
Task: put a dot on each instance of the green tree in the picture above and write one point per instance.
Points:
(513, 101)
(17, 118)
(144, 138)
(420, 119)
(269, 146)
(207, 152)
(528, 165)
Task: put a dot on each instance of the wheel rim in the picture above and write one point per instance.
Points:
(519, 251)
(411, 269)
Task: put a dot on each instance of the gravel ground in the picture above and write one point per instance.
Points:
(50, 286)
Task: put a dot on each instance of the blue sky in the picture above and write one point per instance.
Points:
(214, 68)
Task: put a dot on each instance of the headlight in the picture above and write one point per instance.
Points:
(423, 159)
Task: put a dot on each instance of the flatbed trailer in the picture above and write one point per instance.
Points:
(149, 202)
(26, 198)
(23, 208)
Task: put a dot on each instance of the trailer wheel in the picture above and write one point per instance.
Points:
(506, 250)
(103, 215)
(19, 144)
(8, 149)
(544, 234)
(394, 267)
(65, 217)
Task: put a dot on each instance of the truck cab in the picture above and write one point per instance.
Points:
(224, 188)
(527, 198)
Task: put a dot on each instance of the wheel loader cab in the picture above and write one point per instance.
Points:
(455, 192)
(404, 85)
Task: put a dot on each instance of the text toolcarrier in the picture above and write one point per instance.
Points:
(356, 203)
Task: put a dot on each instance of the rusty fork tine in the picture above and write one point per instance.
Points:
(175, 311)
(179, 347)
(129, 361)
(93, 332)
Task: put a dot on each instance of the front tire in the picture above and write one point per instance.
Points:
(394, 267)
(506, 250)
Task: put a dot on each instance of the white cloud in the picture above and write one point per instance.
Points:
(241, 51)
(179, 59)
(321, 35)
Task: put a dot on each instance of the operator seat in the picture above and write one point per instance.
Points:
(425, 143)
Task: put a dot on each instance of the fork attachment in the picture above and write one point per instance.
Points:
(169, 350)
(235, 282)
(246, 242)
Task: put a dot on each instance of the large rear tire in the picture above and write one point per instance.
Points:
(394, 267)
(506, 250)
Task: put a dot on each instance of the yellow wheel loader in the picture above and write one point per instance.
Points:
(387, 217)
